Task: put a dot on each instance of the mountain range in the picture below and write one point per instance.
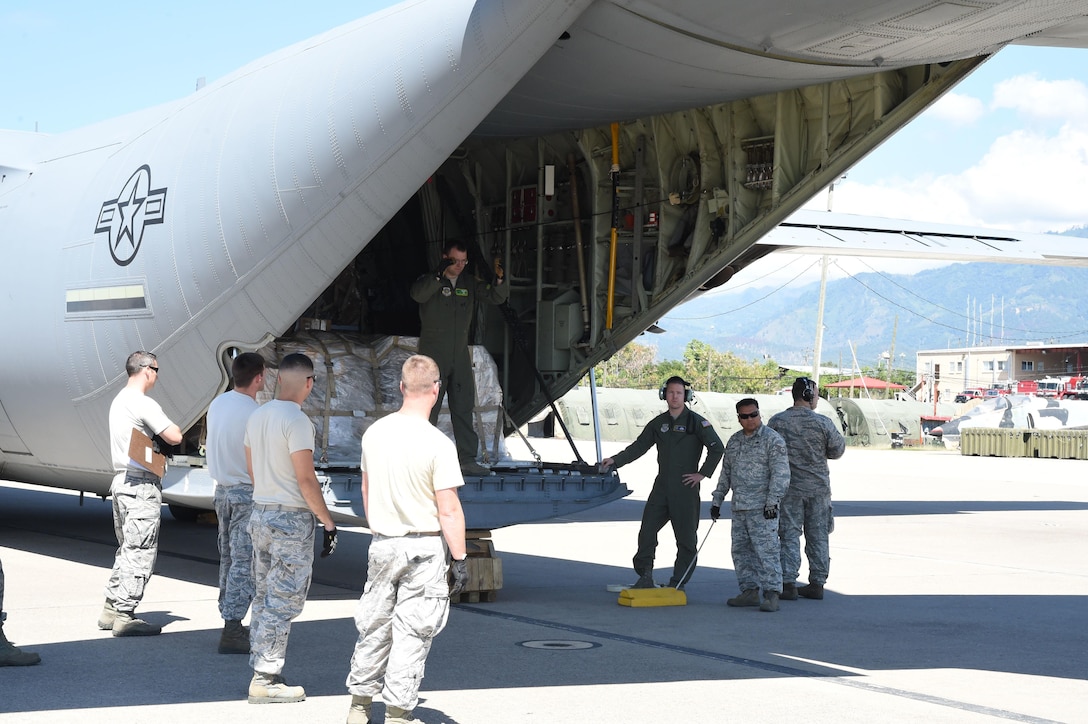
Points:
(959, 305)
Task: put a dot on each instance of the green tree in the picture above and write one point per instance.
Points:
(707, 369)
(632, 368)
(715, 371)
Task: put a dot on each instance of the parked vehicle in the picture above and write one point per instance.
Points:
(1027, 387)
(1072, 388)
(1051, 387)
(968, 395)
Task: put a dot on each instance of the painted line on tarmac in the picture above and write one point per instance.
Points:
(762, 666)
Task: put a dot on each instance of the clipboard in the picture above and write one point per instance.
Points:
(142, 450)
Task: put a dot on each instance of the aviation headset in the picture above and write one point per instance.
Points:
(689, 395)
(810, 388)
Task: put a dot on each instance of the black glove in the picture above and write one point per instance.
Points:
(715, 512)
(443, 266)
(770, 512)
(460, 576)
(328, 543)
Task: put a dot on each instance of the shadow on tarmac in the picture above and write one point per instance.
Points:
(620, 511)
(973, 632)
(481, 649)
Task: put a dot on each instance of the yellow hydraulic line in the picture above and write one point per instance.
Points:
(615, 221)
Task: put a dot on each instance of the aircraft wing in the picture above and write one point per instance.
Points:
(818, 232)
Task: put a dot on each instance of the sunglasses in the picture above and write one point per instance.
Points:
(741, 416)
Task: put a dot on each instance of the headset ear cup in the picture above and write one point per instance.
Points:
(689, 395)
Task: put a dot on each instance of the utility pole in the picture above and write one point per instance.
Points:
(967, 340)
(818, 348)
(891, 355)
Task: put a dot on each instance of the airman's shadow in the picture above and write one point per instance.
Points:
(543, 598)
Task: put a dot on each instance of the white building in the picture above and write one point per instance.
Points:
(944, 373)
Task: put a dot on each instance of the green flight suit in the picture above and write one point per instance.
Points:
(680, 444)
(446, 309)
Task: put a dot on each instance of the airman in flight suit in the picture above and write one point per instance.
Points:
(447, 302)
(680, 436)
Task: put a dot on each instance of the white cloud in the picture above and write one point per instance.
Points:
(1027, 180)
(1033, 97)
(958, 109)
(1032, 181)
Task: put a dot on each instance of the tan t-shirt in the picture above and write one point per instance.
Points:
(273, 432)
(227, 417)
(406, 460)
(132, 408)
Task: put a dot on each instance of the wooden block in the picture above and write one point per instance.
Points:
(484, 574)
(479, 547)
(474, 597)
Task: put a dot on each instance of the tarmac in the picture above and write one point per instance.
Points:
(957, 594)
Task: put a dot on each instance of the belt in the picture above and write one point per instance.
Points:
(141, 475)
(273, 507)
(412, 534)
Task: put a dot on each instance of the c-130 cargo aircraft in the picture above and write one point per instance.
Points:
(618, 156)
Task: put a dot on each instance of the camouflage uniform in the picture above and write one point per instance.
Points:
(283, 545)
(137, 504)
(408, 573)
(226, 420)
(680, 444)
(757, 470)
(812, 440)
(446, 310)
(137, 499)
(233, 508)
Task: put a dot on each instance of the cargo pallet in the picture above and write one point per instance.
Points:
(1062, 444)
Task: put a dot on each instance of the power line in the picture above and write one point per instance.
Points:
(1079, 333)
(745, 306)
(946, 309)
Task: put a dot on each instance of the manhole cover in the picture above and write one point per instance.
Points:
(559, 645)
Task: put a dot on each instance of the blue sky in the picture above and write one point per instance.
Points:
(1008, 148)
(69, 63)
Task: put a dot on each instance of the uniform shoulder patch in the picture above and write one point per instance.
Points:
(706, 423)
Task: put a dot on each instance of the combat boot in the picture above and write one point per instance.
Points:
(471, 467)
(234, 639)
(396, 715)
(109, 613)
(770, 602)
(11, 655)
(272, 689)
(749, 597)
(645, 580)
(789, 592)
(359, 713)
(125, 624)
(815, 591)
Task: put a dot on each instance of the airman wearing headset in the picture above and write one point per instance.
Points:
(811, 440)
(680, 436)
